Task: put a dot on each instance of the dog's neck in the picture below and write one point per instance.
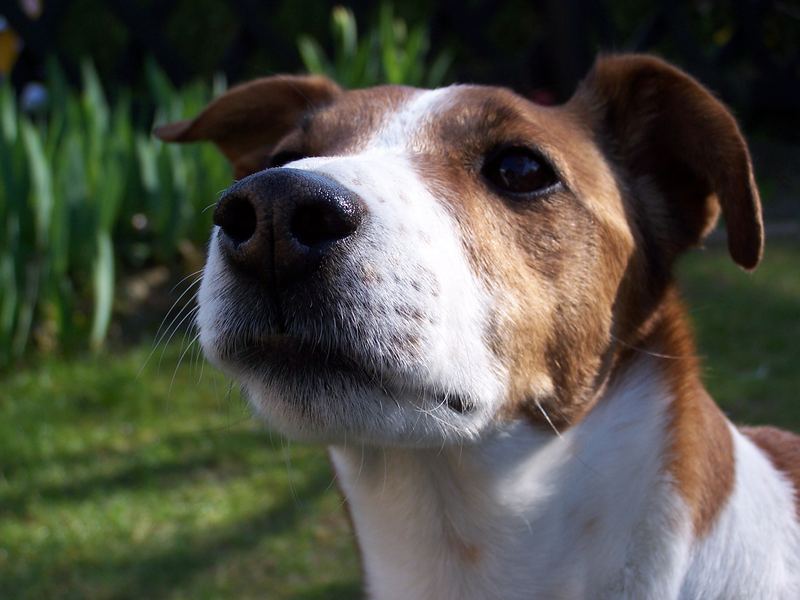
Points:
(533, 512)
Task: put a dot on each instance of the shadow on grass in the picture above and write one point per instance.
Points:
(332, 591)
(190, 454)
(230, 440)
(159, 572)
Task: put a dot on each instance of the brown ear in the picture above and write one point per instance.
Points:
(249, 119)
(668, 131)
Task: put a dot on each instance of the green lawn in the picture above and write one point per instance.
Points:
(116, 486)
(113, 485)
(748, 330)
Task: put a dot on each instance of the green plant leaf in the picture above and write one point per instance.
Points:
(345, 38)
(95, 105)
(8, 112)
(74, 190)
(27, 306)
(437, 73)
(389, 44)
(103, 280)
(313, 56)
(8, 303)
(388, 52)
(42, 185)
(412, 57)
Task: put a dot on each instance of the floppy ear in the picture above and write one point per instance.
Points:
(248, 120)
(669, 133)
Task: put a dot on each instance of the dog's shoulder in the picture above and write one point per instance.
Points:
(783, 449)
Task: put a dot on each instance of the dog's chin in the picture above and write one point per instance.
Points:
(328, 396)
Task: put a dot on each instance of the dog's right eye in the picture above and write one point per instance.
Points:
(520, 172)
(282, 158)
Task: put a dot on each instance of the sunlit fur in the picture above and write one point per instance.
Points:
(526, 513)
(520, 412)
(405, 303)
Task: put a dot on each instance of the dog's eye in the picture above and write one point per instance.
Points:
(519, 171)
(282, 158)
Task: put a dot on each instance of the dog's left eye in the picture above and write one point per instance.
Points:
(519, 171)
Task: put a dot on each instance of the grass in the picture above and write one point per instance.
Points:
(118, 486)
(113, 486)
(748, 331)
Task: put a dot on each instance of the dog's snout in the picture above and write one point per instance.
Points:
(283, 222)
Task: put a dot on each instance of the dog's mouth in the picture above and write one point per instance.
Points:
(290, 358)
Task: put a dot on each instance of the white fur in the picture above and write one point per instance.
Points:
(754, 549)
(427, 292)
(397, 131)
(495, 511)
(588, 514)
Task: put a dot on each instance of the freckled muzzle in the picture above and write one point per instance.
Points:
(279, 225)
(340, 295)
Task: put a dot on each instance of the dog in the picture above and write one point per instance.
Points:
(469, 298)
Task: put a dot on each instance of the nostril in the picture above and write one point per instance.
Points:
(237, 218)
(321, 223)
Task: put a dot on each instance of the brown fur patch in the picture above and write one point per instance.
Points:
(666, 127)
(700, 455)
(344, 127)
(555, 258)
(304, 115)
(249, 119)
(587, 271)
(783, 450)
(587, 280)
(678, 155)
(702, 460)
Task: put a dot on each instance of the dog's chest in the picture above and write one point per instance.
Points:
(532, 514)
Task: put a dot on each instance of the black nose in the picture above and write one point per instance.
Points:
(282, 223)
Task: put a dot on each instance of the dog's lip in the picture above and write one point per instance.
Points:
(287, 348)
(299, 353)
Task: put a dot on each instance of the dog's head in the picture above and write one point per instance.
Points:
(405, 266)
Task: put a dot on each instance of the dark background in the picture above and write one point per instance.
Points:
(747, 51)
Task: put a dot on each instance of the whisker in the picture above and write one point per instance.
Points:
(650, 352)
(202, 362)
(286, 451)
(180, 360)
(158, 337)
(198, 272)
(175, 329)
(179, 298)
(547, 418)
